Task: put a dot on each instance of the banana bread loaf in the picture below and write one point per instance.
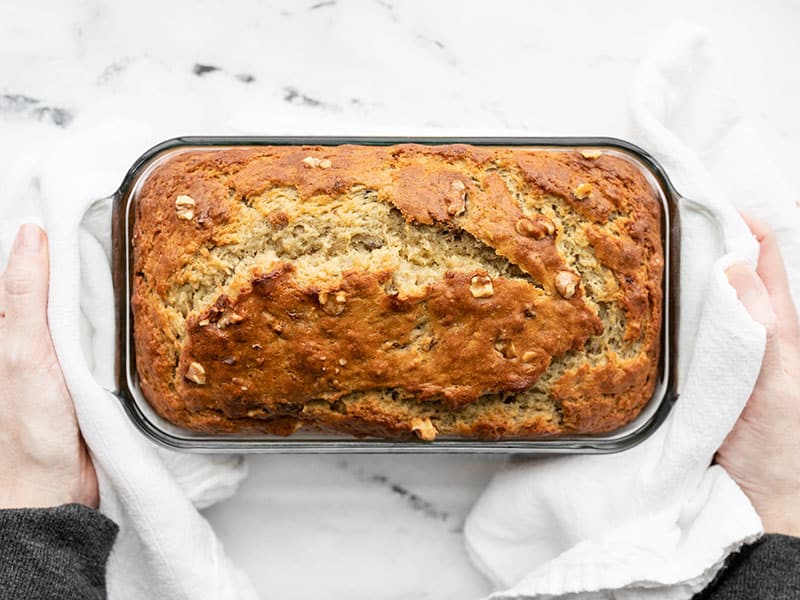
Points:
(399, 292)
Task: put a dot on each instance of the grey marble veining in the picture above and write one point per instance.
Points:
(356, 525)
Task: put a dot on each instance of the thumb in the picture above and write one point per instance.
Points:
(25, 283)
(754, 296)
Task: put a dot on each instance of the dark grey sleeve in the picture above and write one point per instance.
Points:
(768, 568)
(54, 553)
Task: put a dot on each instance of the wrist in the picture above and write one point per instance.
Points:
(781, 515)
(34, 487)
(32, 497)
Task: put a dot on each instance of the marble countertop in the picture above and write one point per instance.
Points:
(356, 526)
(386, 526)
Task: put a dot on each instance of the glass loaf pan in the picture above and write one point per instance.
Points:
(167, 434)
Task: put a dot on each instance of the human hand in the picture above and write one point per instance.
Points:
(43, 459)
(762, 452)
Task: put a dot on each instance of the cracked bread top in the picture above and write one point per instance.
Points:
(398, 291)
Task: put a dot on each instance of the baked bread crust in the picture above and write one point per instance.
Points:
(397, 292)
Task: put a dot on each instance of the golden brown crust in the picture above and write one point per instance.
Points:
(471, 355)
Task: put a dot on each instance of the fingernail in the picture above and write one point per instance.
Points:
(29, 240)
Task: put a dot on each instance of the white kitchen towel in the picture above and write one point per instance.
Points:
(657, 521)
(165, 548)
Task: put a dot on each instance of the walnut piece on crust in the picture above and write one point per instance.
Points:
(582, 191)
(481, 287)
(536, 227)
(184, 207)
(567, 283)
(196, 373)
(423, 428)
